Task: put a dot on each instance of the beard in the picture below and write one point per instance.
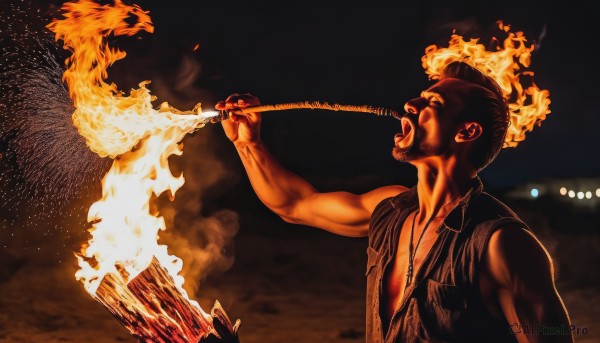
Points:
(417, 147)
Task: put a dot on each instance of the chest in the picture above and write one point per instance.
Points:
(407, 257)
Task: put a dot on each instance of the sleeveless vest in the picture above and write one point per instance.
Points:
(444, 303)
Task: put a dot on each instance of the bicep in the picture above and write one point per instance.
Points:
(342, 213)
(522, 273)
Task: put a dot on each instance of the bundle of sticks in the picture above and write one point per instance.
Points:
(153, 310)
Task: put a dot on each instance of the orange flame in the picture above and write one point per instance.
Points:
(528, 106)
(127, 128)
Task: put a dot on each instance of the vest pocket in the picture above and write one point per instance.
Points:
(443, 309)
(448, 297)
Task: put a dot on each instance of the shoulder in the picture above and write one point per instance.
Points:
(514, 255)
(379, 197)
(384, 209)
(485, 215)
(513, 240)
(487, 206)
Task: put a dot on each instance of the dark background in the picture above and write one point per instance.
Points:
(370, 55)
(293, 283)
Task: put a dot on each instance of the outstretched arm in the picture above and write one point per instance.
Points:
(521, 272)
(288, 195)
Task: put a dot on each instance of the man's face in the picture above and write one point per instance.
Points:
(429, 126)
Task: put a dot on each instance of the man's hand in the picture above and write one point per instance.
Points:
(241, 128)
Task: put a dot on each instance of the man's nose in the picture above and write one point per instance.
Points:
(415, 105)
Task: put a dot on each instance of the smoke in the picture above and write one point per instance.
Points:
(199, 233)
(468, 27)
(538, 42)
(203, 241)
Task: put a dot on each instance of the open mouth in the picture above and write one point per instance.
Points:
(405, 138)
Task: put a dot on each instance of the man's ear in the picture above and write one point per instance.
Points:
(468, 132)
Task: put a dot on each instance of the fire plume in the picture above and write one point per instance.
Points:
(528, 105)
(140, 139)
(111, 122)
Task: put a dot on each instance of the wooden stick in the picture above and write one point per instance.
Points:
(314, 105)
(153, 310)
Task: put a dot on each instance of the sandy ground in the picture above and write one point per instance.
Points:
(305, 287)
(299, 290)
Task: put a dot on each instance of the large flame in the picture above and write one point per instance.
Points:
(528, 106)
(129, 129)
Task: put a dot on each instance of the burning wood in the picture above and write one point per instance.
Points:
(153, 310)
(123, 266)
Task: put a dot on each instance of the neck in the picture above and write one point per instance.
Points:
(441, 185)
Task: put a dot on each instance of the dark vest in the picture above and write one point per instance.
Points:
(444, 303)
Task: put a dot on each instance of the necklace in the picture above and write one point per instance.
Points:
(412, 251)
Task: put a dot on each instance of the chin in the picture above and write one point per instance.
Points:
(402, 155)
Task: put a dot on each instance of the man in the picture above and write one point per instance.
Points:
(446, 261)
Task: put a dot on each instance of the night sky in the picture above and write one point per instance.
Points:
(361, 55)
(371, 55)
(357, 55)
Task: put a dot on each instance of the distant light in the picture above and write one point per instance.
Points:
(571, 194)
(535, 192)
(588, 195)
(580, 195)
(598, 192)
(563, 191)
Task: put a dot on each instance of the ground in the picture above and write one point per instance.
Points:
(301, 286)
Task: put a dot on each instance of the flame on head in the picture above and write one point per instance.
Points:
(140, 138)
(527, 106)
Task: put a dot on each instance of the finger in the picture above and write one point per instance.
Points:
(253, 117)
(249, 99)
(232, 97)
(224, 105)
(238, 107)
(220, 105)
(241, 103)
(233, 117)
(237, 110)
(239, 118)
(229, 124)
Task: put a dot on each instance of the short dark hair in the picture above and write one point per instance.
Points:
(487, 107)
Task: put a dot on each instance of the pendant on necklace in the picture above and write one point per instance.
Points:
(409, 275)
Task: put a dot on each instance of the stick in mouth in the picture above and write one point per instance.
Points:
(314, 105)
